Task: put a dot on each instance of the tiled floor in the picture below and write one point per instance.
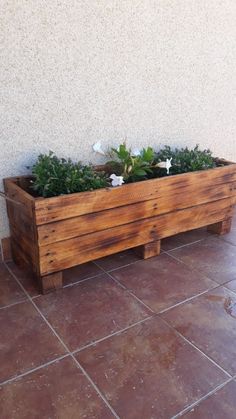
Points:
(124, 338)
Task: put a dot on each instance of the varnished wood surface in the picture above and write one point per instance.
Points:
(53, 234)
(56, 256)
(176, 199)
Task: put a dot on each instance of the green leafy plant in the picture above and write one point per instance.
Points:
(55, 176)
(185, 159)
(133, 168)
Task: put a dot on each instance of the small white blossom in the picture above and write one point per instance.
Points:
(168, 165)
(97, 147)
(116, 180)
(165, 165)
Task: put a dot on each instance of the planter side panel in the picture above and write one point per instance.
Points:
(24, 244)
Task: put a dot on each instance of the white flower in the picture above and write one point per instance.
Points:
(97, 147)
(136, 152)
(168, 165)
(116, 180)
(165, 165)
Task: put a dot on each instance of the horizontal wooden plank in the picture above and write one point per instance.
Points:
(67, 206)
(97, 221)
(64, 254)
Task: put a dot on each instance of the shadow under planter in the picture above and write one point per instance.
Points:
(52, 234)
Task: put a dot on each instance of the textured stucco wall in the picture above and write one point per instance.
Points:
(152, 71)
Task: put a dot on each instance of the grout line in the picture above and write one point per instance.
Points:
(169, 308)
(129, 292)
(35, 296)
(188, 299)
(82, 280)
(123, 266)
(191, 268)
(118, 267)
(217, 285)
(73, 283)
(228, 289)
(140, 301)
(162, 251)
(225, 238)
(201, 272)
(184, 245)
(174, 305)
(14, 304)
(209, 237)
(16, 377)
(191, 406)
(65, 347)
(163, 311)
(95, 386)
(196, 347)
(118, 332)
(169, 253)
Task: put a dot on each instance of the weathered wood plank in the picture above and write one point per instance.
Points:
(73, 205)
(23, 200)
(21, 213)
(97, 221)
(58, 256)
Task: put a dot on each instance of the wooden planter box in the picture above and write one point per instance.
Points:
(53, 234)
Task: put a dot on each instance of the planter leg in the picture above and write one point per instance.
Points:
(149, 250)
(49, 283)
(223, 227)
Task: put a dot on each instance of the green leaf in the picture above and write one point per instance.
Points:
(139, 172)
(147, 154)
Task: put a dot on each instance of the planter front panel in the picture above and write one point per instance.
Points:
(67, 206)
(176, 198)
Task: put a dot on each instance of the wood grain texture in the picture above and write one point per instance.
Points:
(68, 206)
(21, 214)
(58, 256)
(194, 194)
(54, 234)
